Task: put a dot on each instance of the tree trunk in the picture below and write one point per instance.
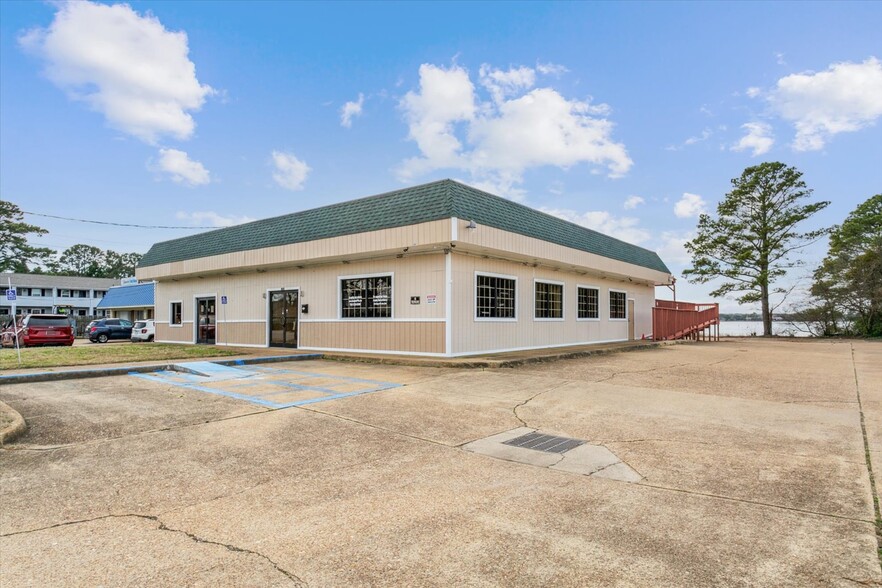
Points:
(767, 314)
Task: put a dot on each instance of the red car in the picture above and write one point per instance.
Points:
(41, 329)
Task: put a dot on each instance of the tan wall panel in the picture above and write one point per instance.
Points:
(491, 239)
(418, 337)
(346, 245)
(241, 333)
(182, 334)
(418, 275)
(471, 336)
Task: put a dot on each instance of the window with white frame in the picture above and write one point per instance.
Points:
(366, 297)
(617, 305)
(494, 297)
(588, 303)
(174, 313)
(548, 302)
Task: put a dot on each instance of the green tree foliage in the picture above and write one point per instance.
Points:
(93, 262)
(120, 265)
(850, 277)
(750, 242)
(15, 253)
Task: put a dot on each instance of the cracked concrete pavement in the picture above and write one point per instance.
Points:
(753, 456)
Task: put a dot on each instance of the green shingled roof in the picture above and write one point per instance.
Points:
(428, 202)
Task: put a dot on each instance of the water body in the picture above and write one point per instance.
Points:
(749, 328)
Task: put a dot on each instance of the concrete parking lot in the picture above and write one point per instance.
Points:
(750, 456)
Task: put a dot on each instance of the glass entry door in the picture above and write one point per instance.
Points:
(283, 318)
(205, 321)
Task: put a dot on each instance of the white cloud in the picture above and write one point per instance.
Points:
(633, 202)
(690, 205)
(704, 136)
(517, 129)
(621, 227)
(212, 219)
(502, 84)
(126, 66)
(181, 168)
(779, 59)
(753, 92)
(351, 110)
(846, 97)
(291, 173)
(552, 69)
(446, 96)
(672, 247)
(758, 138)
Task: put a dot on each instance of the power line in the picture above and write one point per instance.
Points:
(82, 220)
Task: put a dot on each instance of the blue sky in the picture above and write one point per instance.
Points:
(629, 118)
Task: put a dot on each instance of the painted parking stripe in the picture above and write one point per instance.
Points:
(244, 397)
(315, 375)
(175, 379)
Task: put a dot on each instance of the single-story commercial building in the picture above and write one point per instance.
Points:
(441, 269)
(131, 302)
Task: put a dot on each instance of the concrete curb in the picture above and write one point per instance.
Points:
(14, 430)
(482, 363)
(125, 370)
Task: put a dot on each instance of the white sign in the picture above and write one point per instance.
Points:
(432, 299)
(128, 281)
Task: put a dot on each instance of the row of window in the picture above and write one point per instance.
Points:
(370, 297)
(495, 299)
(40, 292)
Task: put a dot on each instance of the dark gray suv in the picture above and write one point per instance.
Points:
(103, 330)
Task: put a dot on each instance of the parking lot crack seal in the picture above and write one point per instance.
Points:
(163, 527)
(524, 403)
(757, 503)
(869, 460)
(863, 582)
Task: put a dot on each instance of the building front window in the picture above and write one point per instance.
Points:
(548, 302)
(366, 297)
(495, 297)
(174, 314)
(588, 303)
(617, 305)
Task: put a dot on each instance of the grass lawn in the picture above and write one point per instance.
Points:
(44, 357)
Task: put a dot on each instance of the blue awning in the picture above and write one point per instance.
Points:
(136, 296)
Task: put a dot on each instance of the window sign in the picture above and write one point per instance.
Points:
(367, 297)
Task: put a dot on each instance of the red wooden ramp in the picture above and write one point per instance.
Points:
(685, 320)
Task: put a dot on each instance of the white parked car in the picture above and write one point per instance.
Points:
(143, 331)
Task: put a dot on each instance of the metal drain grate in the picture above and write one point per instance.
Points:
(546, 443)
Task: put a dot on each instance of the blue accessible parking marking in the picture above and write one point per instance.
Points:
(268, 386)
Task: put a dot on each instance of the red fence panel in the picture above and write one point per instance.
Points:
(677, 320)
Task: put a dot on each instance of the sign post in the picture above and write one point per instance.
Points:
(11, 295)
(224, 305)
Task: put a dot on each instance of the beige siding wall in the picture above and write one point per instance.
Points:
(398, 336)
(345, 247)
(242, 320)
(496, 241)
(470, 335)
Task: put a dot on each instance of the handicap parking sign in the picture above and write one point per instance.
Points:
(223, 299)
(10, 294)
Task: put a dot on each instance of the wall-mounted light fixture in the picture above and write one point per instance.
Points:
(471, 225)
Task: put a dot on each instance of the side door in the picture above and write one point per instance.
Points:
(112, 328)
(125, 329)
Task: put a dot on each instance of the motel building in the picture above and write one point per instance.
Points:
(441, 269)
